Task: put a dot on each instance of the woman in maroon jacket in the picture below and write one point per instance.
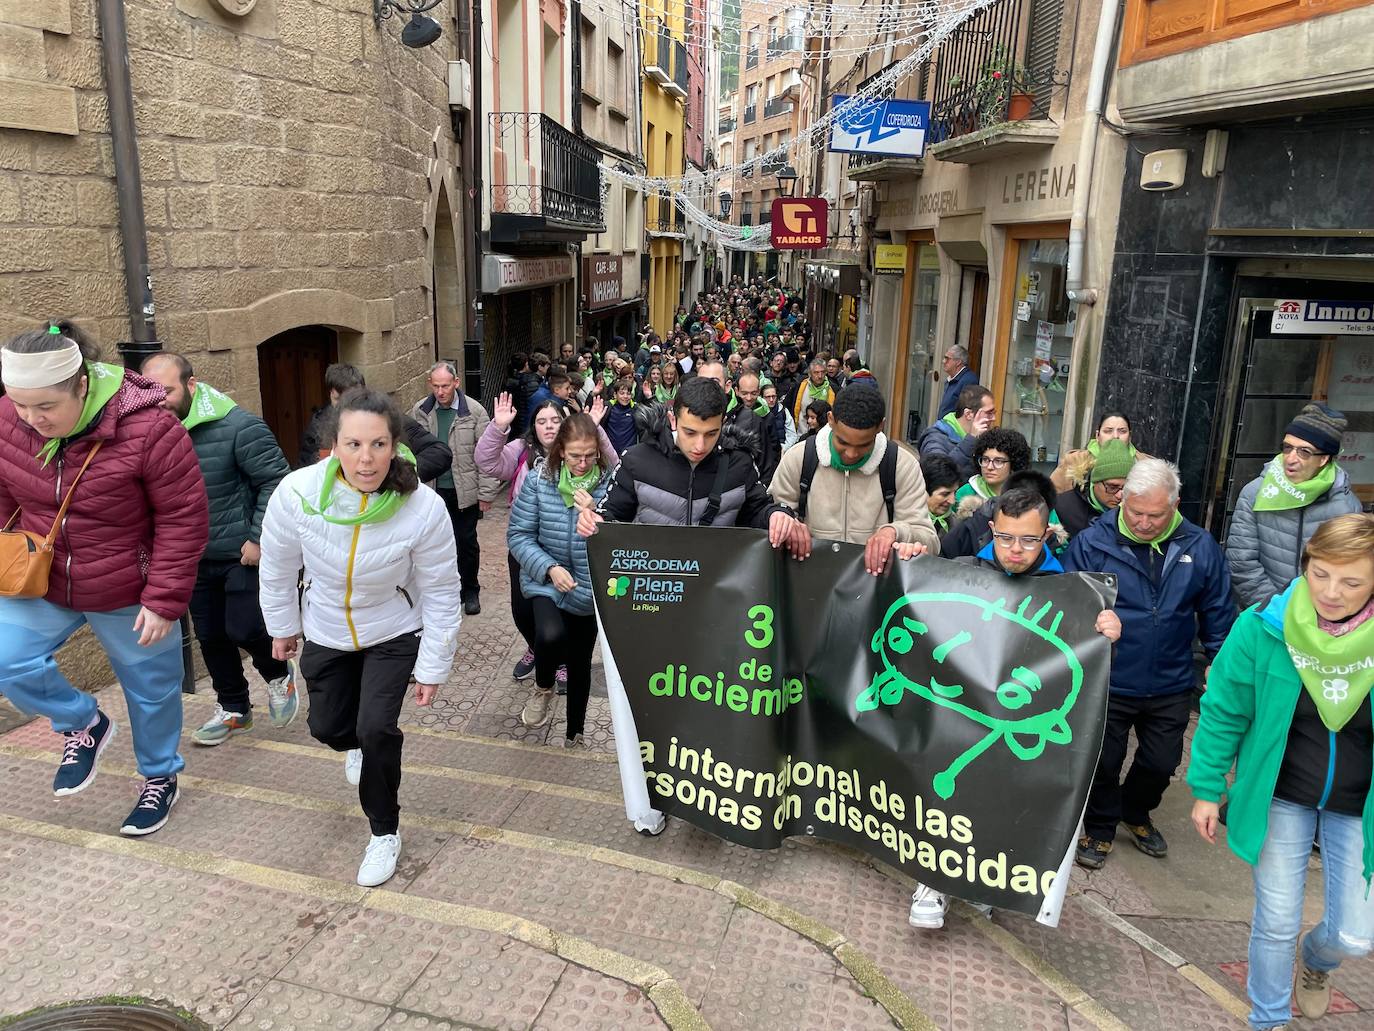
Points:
(125, 556)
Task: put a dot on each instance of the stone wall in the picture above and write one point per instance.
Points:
(292, 165)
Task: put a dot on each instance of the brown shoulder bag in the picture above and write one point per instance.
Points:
(26, 558)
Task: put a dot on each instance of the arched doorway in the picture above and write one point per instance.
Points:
(291, 380)
(450, 324)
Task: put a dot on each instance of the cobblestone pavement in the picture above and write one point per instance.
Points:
(525, 900)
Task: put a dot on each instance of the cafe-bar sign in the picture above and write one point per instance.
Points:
(1324, 318)
(799, 223)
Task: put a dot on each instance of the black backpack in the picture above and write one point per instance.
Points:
(887, 477)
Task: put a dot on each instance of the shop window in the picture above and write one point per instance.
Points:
(1351, 390)
(1040, 345)
(922, 343)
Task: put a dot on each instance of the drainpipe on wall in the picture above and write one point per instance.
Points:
(1087, 154)
(133, 233)
(133, 236)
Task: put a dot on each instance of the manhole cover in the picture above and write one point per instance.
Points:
(104, 1017)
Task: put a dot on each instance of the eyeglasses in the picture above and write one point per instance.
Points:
(1111, 488)
(1302, 452)
(988, 462)
(1027, 543)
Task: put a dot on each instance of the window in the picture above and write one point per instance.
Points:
(925, 300)
(629, 225)
(751, 149)
(1039, 349)
(613, 85)
(751, 95)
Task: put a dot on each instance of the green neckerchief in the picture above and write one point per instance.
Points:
(760, 409)
(1337, 671)
(1278, 493)
(1095, 449)
(941, 523)
(958, 427)
(568, 484)
(383, 507)
(1092, 499)
(816, 393)
(981, 487)
(662, 395)
(102, 383)
(1158, 543)
(837, 462)
(608, 376)
(207, 405)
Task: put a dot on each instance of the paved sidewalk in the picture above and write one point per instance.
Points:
(525, 900)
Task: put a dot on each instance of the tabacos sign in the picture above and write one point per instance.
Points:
(1347, 318)
(799, 223)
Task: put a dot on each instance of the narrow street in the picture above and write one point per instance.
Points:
(525, 900)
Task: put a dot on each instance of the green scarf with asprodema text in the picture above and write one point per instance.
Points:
(1277, 493)
(384, 505)
(569, 485)
(1158, 543)
(102, 383)
(1337, 672)
(207, 405)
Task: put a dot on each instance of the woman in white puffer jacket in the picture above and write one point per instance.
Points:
(380, 601)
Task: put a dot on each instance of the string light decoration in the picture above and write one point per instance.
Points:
(694, 191)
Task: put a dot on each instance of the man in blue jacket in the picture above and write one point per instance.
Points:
(957, 376)
(1172, 585)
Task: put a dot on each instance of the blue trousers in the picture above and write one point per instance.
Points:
(1346, 930)
(31, 631)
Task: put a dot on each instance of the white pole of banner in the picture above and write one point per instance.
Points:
(633, 786)
(1054, 901)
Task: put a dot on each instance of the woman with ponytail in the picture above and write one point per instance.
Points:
(124, 552)
(380, 600)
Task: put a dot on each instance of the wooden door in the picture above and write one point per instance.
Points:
(291, 376)
(978, 318)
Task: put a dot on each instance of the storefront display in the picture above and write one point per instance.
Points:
(922, 342)
(1039, 348)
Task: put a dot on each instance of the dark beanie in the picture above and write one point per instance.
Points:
(1320, 426)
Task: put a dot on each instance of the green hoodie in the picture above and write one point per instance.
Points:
(1247, 710)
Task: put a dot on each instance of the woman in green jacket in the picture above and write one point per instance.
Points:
(1288, 701)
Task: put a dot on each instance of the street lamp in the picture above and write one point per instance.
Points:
(726, 203)
(421, 30)
(787, 181)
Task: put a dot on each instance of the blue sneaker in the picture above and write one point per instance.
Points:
(283, 696)
(81, 755)
(153, 807)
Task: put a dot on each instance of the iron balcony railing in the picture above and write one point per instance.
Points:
(541, 169)
(727, 125)
(751, 58)
(777, 106)
(779, 45)
(996, 67)
(664, 215)
(751, 112)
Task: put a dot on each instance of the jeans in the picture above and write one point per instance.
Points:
(465, 536)
(32, 629)
(355, 702)
(1159, 722)
(1346, 930)
(225, 611)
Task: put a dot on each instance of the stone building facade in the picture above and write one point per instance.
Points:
(300, 185)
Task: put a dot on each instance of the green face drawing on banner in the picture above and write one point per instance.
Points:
(1019, 712)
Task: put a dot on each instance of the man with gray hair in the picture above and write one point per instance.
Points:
(459, 421)
(1173, 585)
(957, 376)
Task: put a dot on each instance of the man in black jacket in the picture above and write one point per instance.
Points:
(521, 386)
(432, 455)
(242, 466)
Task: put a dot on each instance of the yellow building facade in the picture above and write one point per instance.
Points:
(665, 92)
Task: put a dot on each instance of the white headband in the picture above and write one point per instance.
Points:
(44, 369)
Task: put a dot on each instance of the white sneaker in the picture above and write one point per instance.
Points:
(379, 861)
(928, 908)
(981, 908)
(353, 766)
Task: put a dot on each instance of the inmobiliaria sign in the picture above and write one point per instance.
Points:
(799, 223)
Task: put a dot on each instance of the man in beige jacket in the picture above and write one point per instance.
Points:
(847, 500)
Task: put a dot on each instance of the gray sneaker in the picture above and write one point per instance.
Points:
(538, 709)
(220, 727)
(283, 696)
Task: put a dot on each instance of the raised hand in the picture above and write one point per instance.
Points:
(503, 414)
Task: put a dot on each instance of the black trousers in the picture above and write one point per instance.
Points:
(355, 701)
(227, 617)
(1159, 723)
(521, 608)
(563, 639)
(465, 533)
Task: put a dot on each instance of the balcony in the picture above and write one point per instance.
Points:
(751, 59)
(726, 126)
(678, 87)
(751, 113)
(545, 181)
(665, 60)
(780, 46)
(877, 168)
(777, 106)
(663, 217)
(995, 81)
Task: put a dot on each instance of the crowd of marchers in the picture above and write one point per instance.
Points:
(137, 496)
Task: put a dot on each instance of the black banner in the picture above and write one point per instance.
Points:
(943, 718)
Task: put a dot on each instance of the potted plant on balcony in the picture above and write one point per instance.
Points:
(1002, 91)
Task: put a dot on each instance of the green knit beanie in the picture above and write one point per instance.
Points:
(1114, 461)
